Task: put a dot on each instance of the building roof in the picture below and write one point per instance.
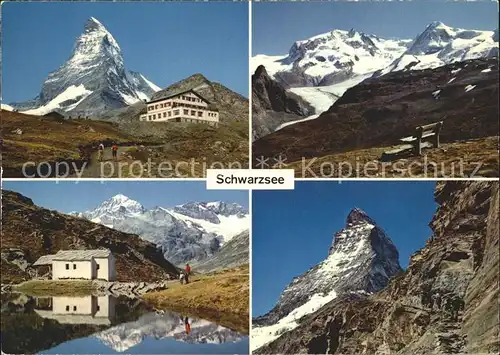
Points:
(44, 260)
(71, 255)
(177, 93)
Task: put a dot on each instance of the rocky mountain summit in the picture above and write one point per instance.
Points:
(361, 261)
(29, 232)
(445, 302)
(92, 81)
(272, 105)
(190, 232)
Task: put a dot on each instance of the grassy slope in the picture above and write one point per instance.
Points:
(484, 150)
(226, 144)
(48, 139)
(55, 288)
(222, 297)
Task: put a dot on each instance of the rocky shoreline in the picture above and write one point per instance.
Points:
(113, 288)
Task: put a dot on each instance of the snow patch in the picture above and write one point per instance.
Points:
(469, 88)
(286, 124)
(486, 70)
(151, 85)
(71, 93)
(451, 80)
(7, 107)
(436, 94)
(229, 226)
(264, 335)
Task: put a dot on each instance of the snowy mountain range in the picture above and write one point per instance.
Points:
(190, 232)
(162, 326)
(361, 260)
(93, 80)
(320, 69)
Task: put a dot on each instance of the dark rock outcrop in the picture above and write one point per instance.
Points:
(445, 302)
(379, 111)
(35, 231)
(272, 105)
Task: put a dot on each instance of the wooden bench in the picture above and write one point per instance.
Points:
(425, 137)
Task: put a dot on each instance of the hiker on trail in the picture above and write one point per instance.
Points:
(100, 152)
(114, 149)
(187, 272)
(188, 326)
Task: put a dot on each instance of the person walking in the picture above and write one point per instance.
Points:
(188, 326)
(114, 150)
(187, 272)
(100, 152)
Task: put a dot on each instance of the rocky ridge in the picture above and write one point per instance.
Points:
(232, 254)
(272, 105)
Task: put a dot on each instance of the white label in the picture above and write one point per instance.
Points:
(248, 179)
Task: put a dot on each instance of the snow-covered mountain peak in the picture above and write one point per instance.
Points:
(92, 81)
(96, 41)
(189, 232)
(118, 207)
(361, 260)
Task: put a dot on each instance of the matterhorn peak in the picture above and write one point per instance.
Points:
(92, 81)
(93, 23)
(361, 260)
(357, 215)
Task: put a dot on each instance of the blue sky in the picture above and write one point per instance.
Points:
(165, 41)
(292, 230)
(277, 25)
(67, 196)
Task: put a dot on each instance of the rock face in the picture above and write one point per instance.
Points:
(379, 111)
(232, 254)
(272, 105)
(35, 231)
(360, 261)
(92, 81)
(190, 232)
(445, 302)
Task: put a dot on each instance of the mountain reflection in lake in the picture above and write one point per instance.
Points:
(105, 324)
